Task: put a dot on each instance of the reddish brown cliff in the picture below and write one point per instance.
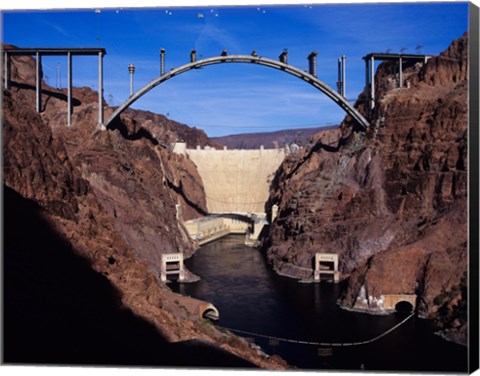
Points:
(392, 203)
(106, 197)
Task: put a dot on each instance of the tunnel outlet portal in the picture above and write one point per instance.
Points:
(404, 306)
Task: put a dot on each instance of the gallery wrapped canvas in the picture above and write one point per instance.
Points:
(235, 186)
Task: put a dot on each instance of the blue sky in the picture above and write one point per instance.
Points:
(235, 98)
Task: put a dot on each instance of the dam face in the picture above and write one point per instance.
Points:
(235, 181)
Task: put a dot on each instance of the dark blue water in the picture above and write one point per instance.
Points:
(251, 297)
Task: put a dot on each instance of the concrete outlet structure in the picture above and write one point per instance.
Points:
(326, 267)
(198, 307)
(390, 301)
(172, 265)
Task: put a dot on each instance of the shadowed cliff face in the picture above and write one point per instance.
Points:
(132, 179)
(60, 311)
(100, 209)
(392, 202)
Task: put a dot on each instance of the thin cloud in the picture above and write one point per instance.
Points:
(57, 28)
(213, 35)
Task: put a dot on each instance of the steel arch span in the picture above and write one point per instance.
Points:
(312, 80)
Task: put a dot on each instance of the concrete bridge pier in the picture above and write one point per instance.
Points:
(100, 91)
(38, 53)
(342, 76)
(400, 72)
(398, 60)
(7, 71)
(131, 71)
(372, 83)
(69, 89)
(38, 82)
(312, 63)
(162, 61)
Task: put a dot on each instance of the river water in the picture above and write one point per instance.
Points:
(251, 297)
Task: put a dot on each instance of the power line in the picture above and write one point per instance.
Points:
(314, 343)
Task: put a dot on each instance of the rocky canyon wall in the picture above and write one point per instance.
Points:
(392, 203)
(109, 199)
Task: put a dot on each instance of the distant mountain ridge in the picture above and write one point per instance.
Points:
(269, 140)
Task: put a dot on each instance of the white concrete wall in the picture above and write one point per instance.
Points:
(236, 226)
(236, 181)
(209, 228)
(206, 226)
(180, 148)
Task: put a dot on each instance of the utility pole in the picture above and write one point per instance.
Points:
(7, 71)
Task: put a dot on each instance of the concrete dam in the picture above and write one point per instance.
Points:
(235, 181)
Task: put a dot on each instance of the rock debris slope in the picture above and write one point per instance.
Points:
(90, 212)
(392, 203)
